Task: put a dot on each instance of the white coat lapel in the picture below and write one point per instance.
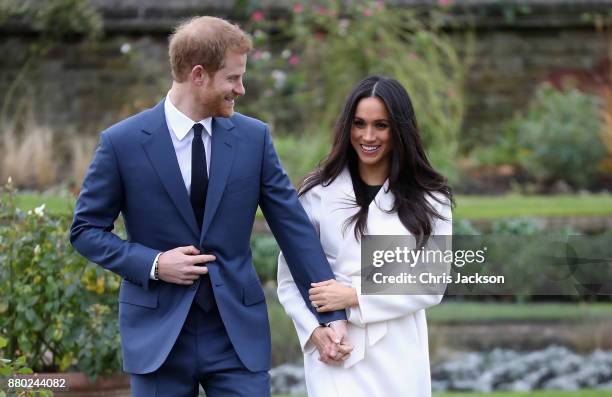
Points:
(341, 203)
(380, 220)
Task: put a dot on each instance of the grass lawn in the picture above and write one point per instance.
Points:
(477, 207)
(468, 207)
(542, 393)
(485, 312)
(53, 204)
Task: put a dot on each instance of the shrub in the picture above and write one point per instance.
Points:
(539, 261)
(560, 133)
(265, 256)
(58, 310)
(515, 226)
(463, 227)
(12, 368)
(606, 132)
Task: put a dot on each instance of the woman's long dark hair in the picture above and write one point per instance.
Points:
(411, 176)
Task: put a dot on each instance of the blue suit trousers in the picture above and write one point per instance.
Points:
(202, 355)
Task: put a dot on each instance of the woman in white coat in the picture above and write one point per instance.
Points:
(376, 180)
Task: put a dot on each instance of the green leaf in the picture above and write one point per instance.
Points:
(30, 315)
(3, 342)
(25, 371)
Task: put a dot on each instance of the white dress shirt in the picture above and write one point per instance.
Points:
(181, 133)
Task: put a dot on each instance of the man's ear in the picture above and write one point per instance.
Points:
(199, 76)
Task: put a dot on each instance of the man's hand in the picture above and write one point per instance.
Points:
(330, 295)
(180, 265)
(330, 351)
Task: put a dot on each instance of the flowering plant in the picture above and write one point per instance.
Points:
(304, 65)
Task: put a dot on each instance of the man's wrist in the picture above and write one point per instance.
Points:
(154, 275)
(331, 322)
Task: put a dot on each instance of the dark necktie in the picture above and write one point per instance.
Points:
(199, 187)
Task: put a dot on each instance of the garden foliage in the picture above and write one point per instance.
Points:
(305, 66)
(57, 310)
(560, 133)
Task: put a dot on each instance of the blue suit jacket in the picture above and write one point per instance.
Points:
(135, 172)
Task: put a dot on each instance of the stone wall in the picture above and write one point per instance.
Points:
(510, 63)
(84, 87)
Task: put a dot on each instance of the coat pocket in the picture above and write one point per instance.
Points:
(135, 295)
(252, 294)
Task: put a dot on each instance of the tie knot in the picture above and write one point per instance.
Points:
(197, 130)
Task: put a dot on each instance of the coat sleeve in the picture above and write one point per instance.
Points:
(292, 229)
(288, 294)
(373, 308)
(97, 208)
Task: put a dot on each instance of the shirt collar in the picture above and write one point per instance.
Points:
(179, 124)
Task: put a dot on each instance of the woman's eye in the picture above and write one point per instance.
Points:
(382, 126)
(358, 123)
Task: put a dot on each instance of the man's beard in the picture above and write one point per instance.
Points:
(219, 107)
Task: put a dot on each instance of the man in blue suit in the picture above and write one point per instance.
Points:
(187, 176)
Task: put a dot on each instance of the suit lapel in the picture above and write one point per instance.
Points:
(158, 146)
(223, 149)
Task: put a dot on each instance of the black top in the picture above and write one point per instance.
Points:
(371, 191)
(364, 193)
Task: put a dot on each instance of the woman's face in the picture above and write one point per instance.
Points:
(371, 134)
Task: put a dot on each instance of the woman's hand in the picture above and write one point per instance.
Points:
(330, 295)
(330, 351)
